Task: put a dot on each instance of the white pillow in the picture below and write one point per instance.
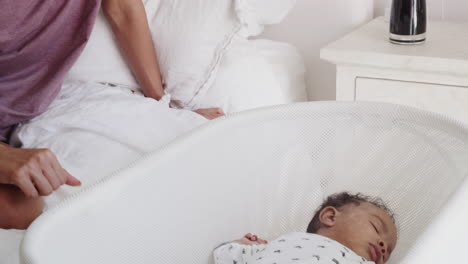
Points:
(256, 73)
(257, 13)
(191, 37)
(101, 59)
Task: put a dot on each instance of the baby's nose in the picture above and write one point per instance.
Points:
(382, 247)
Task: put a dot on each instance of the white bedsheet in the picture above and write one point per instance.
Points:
(95, 130)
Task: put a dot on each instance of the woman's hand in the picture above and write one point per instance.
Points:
(250, 239)
(35, 171)
(210, 113)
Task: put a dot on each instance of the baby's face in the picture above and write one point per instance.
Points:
(17, 210)
(366, 229)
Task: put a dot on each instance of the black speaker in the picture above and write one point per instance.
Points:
(408, 22)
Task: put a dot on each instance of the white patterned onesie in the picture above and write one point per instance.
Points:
(292, 248)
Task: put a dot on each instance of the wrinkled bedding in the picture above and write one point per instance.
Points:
(95, 129)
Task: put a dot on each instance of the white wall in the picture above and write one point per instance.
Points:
(315, 23)
(311, 25)
(437, 9)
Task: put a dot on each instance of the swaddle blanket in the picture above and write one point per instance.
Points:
(291, 248)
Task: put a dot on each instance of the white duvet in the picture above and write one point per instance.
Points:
(94, 130)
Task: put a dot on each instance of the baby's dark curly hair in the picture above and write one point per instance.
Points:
(339, 200)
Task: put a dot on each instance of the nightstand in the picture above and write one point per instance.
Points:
(431, 76)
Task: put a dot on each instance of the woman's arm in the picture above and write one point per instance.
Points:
(130, 26)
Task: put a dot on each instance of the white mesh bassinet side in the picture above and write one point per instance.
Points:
(262, 171)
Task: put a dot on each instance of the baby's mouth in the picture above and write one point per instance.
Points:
(375, 253)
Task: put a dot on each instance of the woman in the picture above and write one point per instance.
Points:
(39, 42)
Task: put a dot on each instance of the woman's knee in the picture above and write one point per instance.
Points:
(16, 210)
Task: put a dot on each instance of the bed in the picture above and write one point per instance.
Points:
(101, 122)
(142, 160)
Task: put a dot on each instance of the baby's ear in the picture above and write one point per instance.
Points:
(328, 216)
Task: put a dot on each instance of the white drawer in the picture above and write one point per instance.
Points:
(444, 99)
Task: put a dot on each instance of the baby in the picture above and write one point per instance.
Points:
(346, 229)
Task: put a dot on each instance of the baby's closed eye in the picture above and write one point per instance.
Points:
(375, 227)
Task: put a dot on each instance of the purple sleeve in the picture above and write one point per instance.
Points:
(40, 40)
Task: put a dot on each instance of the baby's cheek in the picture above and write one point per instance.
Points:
(360, 235)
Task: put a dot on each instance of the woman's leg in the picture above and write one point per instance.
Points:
(16, 210)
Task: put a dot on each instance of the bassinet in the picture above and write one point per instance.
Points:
(262, 171)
